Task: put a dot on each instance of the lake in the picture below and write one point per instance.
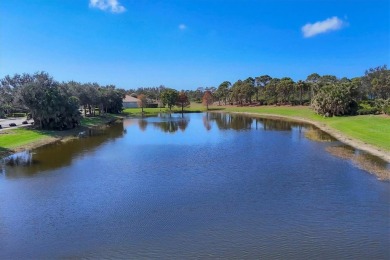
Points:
(207, 185)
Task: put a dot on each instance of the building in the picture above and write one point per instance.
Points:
(130, 102)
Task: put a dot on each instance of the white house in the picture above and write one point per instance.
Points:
(130, 102)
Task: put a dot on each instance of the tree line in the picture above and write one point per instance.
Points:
(53, 104)
(326, 94)
(56, 105)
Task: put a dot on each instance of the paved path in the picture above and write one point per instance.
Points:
(17, 120)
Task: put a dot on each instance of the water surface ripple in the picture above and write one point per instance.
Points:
(201, 186)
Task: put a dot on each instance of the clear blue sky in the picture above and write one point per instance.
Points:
(185, 44)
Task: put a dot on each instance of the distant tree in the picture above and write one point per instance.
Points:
(182, 101)
(248, 89)
(270, 91)
(223, 90)
(313, 81)
(142, 102)
(376, 82)
(207, 99)
(301, 86)
(284, 88)
(328, 79)
(169, 97)
(260, 83)
(237, 94)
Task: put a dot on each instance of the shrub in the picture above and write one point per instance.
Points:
(335, 100)
(383, 105)
(367, 111)
(386, 110)
(367, 107)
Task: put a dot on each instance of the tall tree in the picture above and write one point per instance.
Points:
(260, 83)
(207, 99)
(223, 90)
(51, 103)
(376, 82)
(182, 101)
(169, 97)
(142, 102)
(313, 80)
(285, 88)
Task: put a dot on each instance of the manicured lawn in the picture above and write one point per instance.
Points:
(20, 136)
(371, 129)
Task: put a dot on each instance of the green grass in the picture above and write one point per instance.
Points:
(370, 129)
(23, 136)
(18, 137)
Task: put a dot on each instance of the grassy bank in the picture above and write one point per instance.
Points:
(371, 129)
(15, 139)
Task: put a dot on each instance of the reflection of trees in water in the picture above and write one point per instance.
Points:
(277, 125)
(61, 154)
(230, 121)
(206, 122)
(172, 126)
(142, 124)
(242, 122)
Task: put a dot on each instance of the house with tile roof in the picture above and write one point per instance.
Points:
(130, 102)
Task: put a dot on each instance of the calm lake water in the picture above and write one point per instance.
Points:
(202, 186)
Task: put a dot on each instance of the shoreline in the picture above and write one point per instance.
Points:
(357, 144)
(63, 136)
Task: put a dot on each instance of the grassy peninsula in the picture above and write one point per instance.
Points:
(16, 139)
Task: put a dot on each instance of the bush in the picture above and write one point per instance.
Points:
(367, 108)
(335, 100)
(383, 105)
(386, 110)
(367, 111)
